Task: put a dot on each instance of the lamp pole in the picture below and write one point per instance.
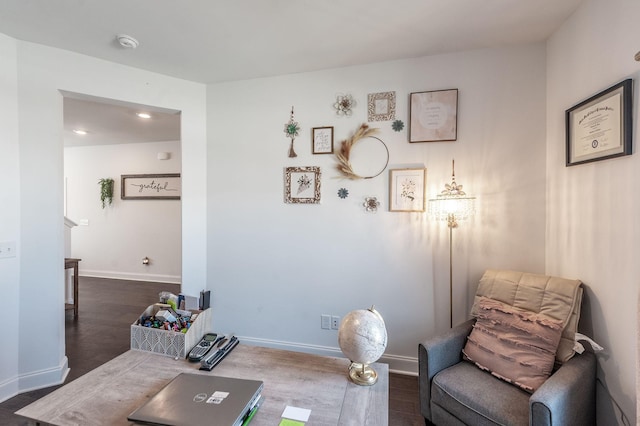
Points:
(451, 223)
(451, 201)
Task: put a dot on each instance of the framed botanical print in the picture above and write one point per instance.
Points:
(302, 185)
(407, 190)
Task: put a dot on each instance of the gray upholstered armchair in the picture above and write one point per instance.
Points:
(454, 391)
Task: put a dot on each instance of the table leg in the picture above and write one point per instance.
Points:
(75, 290)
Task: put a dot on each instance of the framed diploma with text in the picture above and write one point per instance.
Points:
(601, 126)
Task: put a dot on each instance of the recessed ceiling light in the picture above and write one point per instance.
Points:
(79, 132)
(143, 115)
(127, 41)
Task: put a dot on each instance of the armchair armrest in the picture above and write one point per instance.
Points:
(568, 396)
(436, 354)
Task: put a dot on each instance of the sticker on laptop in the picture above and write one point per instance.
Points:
(217, 397)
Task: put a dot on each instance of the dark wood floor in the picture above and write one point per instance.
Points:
(101, 332)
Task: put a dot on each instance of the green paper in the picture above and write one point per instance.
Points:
(289, 422)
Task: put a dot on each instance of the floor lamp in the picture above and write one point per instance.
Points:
(452, 205)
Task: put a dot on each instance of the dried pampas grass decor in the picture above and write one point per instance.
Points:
(344, 164)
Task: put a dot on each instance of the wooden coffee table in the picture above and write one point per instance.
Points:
(112, 391)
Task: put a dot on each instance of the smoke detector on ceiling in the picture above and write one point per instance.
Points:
(127, 41)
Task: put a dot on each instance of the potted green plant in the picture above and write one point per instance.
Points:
(106, 191)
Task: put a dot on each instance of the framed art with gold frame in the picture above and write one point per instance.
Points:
(407, 189)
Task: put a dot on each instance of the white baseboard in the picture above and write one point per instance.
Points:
(9, 388)
(132, 276)
(34, 380)
(397, 363)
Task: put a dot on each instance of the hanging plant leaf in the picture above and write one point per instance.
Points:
(106, 191)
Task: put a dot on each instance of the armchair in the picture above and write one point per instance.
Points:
(456, 392)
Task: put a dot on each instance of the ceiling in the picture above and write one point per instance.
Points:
(108, 122)
(212, 41)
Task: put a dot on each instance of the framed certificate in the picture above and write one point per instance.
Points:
(601, 127)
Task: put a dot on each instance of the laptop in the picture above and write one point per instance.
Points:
(199, 399)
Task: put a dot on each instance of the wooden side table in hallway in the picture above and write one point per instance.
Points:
(73, 263)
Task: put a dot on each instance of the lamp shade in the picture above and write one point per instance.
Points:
(443, 206)
(452, 204)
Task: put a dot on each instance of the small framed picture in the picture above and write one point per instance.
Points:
(151, 187)
(407, 190)
(322, 140)
(381, 106)
(433, 116)
(302, 185)
(601, 127)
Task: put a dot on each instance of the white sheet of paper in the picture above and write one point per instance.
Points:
(295, 413)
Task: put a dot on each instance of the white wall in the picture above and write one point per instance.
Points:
(10, 212)
(117, 237)
(591, 234)
(41, 73)
(275, 268)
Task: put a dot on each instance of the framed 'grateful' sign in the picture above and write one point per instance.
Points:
(151, 187)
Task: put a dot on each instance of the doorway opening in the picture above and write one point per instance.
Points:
(104, 139)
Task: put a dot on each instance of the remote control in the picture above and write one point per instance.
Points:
(213, 358)
(203, 347)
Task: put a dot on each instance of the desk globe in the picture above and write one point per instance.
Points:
(362, 338)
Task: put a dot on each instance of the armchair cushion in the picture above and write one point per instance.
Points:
(558, 298)
(476, 398)
(514, 345)
(465, 395)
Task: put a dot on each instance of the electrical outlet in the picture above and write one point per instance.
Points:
(335, 322)
(8, 249)
(325, 322)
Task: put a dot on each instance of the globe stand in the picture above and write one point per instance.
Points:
(362, 374)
